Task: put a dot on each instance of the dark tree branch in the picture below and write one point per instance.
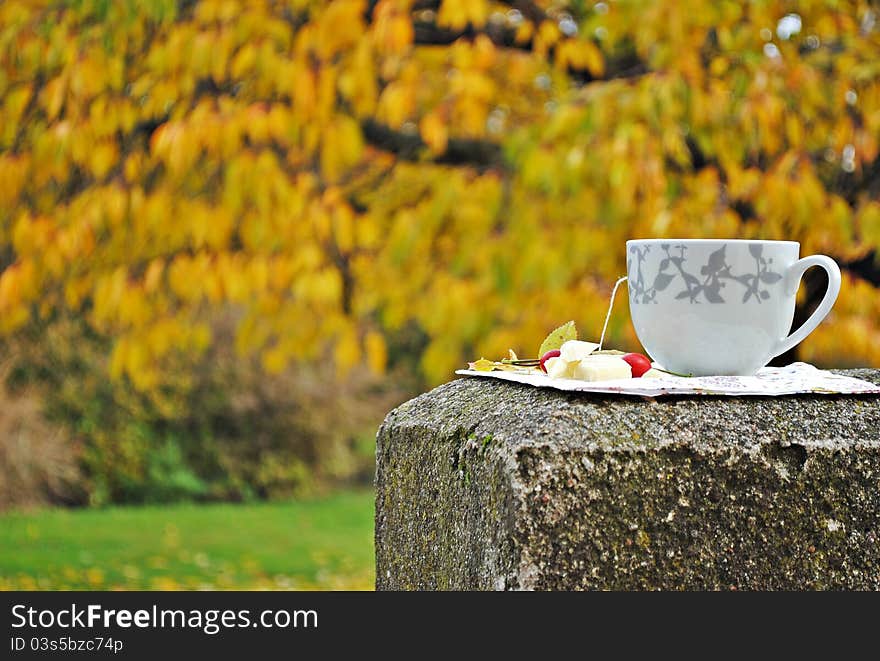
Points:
(503, 35)
(867, 268)
(482, 154)
(479, 153)
(529, 10)
(428, 33)
(866, 182)
(624, 65)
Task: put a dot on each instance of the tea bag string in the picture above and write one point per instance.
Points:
(608, 314)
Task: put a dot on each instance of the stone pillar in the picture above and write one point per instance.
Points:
(483, 484)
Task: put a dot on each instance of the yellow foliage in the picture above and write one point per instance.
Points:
(434, 132)
(396, 104)
(13, 172)
(341, 148)
(345, 173)
(392, 27)
(347, 352)
(457, 14)
(377, 351)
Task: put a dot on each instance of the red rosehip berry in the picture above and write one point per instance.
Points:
(638, 363)
(547, 356)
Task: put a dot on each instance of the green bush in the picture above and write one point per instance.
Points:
(222, 429)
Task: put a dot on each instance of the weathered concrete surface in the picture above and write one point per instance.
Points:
(491, 485)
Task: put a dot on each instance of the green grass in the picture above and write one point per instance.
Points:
(314, 544)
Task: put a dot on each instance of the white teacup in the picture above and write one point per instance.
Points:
(720, 306)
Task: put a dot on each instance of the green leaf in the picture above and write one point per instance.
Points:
(558, 337)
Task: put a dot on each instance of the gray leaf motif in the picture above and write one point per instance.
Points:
(711, 292)
(716, 260)
(662, 281)
(716, 274)
(691, 280)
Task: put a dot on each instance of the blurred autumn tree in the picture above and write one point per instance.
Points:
(425, 180)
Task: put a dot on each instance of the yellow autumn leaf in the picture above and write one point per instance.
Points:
(347, 351)
(274, 360)
(454, 14)
(434, 132)
(377, 351)
(103, 157)
(396, 104)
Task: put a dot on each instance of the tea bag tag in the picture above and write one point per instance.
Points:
(608, 314)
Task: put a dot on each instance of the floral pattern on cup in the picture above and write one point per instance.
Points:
(714, 276)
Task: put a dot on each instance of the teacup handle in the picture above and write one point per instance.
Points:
(793, 276)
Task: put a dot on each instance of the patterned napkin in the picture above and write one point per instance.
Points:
(769, 381)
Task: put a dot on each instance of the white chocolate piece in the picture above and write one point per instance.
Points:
(602, 368)
(574, 350)
(557, 368)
